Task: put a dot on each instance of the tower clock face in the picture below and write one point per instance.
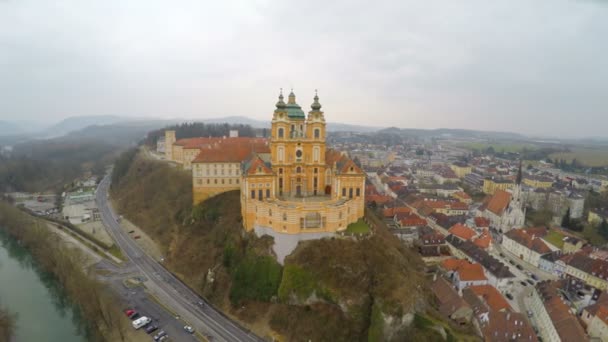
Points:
(299, 153)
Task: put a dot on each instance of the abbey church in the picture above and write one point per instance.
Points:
(290, 183)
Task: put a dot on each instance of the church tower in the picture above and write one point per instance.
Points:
(297, 147)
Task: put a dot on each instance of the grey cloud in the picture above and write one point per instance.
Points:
(532, 67)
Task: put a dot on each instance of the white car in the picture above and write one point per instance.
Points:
(189, 329)
(140, 322)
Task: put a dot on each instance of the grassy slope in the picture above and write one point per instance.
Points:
(348, 278)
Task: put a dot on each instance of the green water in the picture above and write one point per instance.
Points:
(43, 313)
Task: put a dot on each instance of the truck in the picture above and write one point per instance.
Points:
(140, 322)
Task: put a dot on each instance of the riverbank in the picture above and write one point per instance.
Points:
(7, 325)
(98, 308)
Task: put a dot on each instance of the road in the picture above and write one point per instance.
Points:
(166, 287)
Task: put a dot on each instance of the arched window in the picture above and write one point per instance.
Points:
(298, 169)
(281, 153)
(281, 132)
(317, 133)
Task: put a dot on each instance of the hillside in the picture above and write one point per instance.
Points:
(356, 290)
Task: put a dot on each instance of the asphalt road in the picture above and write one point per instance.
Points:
(170, 290)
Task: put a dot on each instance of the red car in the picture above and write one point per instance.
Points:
(136, 237)
(129, 312)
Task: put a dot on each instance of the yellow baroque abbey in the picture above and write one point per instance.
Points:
(290, 183)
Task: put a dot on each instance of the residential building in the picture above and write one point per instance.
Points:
(498, 274)
(595, 318)
(576, 203)
(462, 232)
(596, 216)
(491, 185)
(526, 244)
(450, 304)
(552, 315)
(461, 169)
(538, 181)
(462, 197)
(572, 244)
(464, 273)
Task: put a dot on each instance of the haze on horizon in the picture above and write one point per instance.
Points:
(529, 67)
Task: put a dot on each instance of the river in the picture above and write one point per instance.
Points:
(43, 311)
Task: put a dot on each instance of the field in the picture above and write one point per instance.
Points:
(497, 146)
(359, 227)
(590, 156)
(555, 238)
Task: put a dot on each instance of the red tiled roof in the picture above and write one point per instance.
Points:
(232, 150)
(412, 220)
(462, 194)
(530, 238)
(379, 199)
(462, 231)
(466, 270)
(491, 296)
(471, 272)
(506, 327)
(391, 212)
(499, 202)
(257, 163)
(483, 241)
(482, 222)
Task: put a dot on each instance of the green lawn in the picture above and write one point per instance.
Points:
(359, 227)
(498, 146)
(591, 156)
(555, 238)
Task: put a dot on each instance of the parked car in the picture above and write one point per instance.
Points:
(523, 283)
(135, 315)
(501, 254)
(151, 328)
(159, 335)
(530, 281)
(519, 267)
(534, 276)
(137, 236)
(164, 338)
(511, 262)
(129, 312)
(141, 322)
(510, 296)
(189, 329)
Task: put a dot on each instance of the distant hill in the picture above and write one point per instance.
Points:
(79, 122)
(451, 133)
(10, 128)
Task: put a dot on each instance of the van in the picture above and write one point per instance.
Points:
(140, 322)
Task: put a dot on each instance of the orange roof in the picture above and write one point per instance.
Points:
(499, 202)
(482, 222)
(483, 241)
(602, 313)
(530, 238)
(491, 296)
(462, 231)
(379, 199)
(471, 272)
(390, 212)
(231, 150)
(462, 194)
(452, 264)
(257, 163)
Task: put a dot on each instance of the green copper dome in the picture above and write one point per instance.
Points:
(294, 110)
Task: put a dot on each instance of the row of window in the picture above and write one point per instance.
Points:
(260, 194)
(221, 181)
(221, 172)
(281, 132)
(350, 192)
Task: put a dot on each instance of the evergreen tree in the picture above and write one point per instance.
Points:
(566, 219)
(603, 229)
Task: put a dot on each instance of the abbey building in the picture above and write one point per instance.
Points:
(290, 183)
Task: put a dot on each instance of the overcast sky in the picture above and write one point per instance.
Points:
(536, 67)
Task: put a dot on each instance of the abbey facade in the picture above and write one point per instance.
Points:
(290, 183)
